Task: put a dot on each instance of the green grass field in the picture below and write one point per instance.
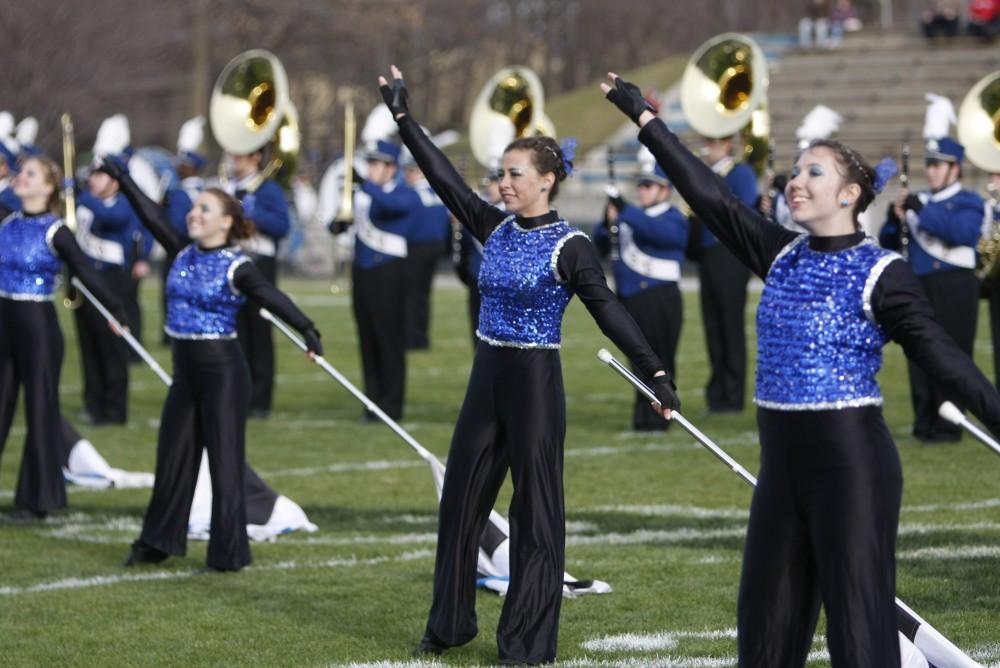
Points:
(656, 516)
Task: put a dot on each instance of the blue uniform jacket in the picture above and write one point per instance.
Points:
(393, 210)
(659, 232)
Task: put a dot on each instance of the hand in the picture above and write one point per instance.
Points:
(615, 198)
(395, 95)
(314, 348)
(114, 167)
(141, 269)
(118, 328)
(912, 203)
(765, 204)
(627, 97)
(666, 393)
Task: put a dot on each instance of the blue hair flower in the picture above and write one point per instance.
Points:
(884, 170)
(568, 147)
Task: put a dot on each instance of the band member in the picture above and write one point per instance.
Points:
(384, 218)
(207, 404)
(652, 236)
(35, 244)
(110, 234)
(267, 208)
(513, 415)
(825, 510)
(944, 225)
(723, 292)
(426, 245)
(991, 283)
(8, 163)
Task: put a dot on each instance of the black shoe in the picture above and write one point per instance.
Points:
(933, 438)
(429, 646)
(25, 516)
(144, 554)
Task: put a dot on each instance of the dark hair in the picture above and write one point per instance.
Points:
(854, 169)
(53, 176)
(243, 227)
(546, 156)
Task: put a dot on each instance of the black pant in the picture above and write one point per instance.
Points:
(955, 298)
(822, 527)
(991, 287)
(723, 281)
(379, 295)
(513, 416)
(104, 355)
(256, 339)
(475, 299)
(421, 260)
(31, 354)
(659, 312)
(206, 407)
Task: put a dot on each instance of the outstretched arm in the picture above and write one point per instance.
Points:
(249, 280)
(479, 216)
(152, 215)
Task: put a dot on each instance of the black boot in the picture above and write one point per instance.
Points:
(144, 554)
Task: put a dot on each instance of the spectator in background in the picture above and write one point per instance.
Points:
(984, 19)
(939, 19)
(814, 28)
(843, 18)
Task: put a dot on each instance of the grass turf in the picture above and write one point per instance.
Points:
(656, 516)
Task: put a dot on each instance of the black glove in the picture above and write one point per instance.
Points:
(666, 392)
(312, 341)
(113, 167)
(627, 97)
(356, 177)
(912, 203)
(394, 95)
(618, 201)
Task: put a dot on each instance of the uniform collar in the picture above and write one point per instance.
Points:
(723, 165)
(537, 221)
(836, 243)
(947, 193)
(657, 209)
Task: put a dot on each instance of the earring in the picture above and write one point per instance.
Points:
(543, 189)
(845, 203)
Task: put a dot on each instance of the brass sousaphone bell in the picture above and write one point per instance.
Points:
(509, 106)
(251, 110)
(724, 91)
(979, 132)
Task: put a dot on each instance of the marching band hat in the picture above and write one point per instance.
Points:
(384, 151)
(192, 158)
(656, 175)
(944, 149)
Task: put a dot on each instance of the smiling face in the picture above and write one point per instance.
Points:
(207, 222)
(33, 184)
(816, 193)
(523, 190)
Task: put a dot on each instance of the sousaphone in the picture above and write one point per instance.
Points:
(979, 132)
(509, 106)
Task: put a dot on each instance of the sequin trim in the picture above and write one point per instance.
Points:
(515, 344)
(51, 234)
(503, 222)
(198, 337)
(821, 406)
(554, 259)
(786, 250)
(26, 297)
(876, 273)
(231, 273)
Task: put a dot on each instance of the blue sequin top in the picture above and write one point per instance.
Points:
(28, 262)
(523, 298)
(202, 301)
(818, 345)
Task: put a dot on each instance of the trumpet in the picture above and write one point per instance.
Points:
(346, 212)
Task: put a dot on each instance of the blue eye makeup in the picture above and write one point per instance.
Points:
(816, 170)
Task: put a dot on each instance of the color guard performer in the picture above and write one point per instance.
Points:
(825, 510)
(35, 244)
(514, 414)
(944, 225)
(384, 217)
(207, 404)
(267, 208)
(426, 244)
(652, 236)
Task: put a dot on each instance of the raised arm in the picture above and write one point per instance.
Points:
(748, 234)
(463, 202)
(152, 215)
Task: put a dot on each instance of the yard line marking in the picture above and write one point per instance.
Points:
(957, 552)
(105, 580)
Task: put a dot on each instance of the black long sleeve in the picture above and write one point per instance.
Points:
(249, 280)
(480, 217)
(80, 265)
(580, 267)
(750, 236)
(901, 308)
(153, 216)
